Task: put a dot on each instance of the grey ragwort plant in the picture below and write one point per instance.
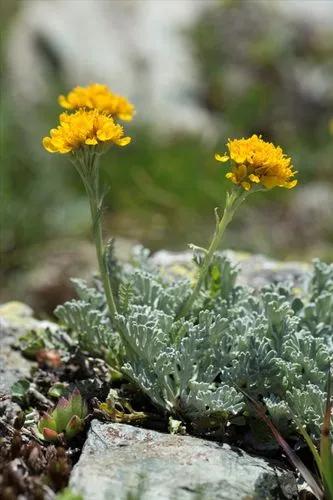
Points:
(274, 344)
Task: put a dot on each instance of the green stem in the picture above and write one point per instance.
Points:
(89, 173)
(97, 231)
(232, 203)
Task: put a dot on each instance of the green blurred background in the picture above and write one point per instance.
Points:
(258, 70)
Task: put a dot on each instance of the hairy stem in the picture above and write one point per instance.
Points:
(97, 231)
(89, 173)
(234, 199)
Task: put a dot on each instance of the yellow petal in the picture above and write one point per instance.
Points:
(48, 145)
(291, 184)
(126, 117)
(91, 142)
(254, 178)
(64, 150)
(231, 176)
(104, 135)
(124, 141)
(241, 171)
(270, 181)
(62, 101)
(222, 158)
(238, 158)
(246, 186)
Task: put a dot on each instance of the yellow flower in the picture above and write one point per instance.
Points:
(97, 96)
(256, 162)
(84, 128)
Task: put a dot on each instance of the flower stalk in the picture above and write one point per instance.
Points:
(255, 165)
(86, 164)
(85, 134)
(233, 201)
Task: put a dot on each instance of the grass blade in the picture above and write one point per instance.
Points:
(294, 459)
(309, 442)
(326, 443)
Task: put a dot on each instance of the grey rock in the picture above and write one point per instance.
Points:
(256, 270)
(16, 319)
(42, 35)
(120, 460)
(47, 281)
(160, 60)
(12, 365)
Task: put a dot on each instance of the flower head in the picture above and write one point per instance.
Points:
(84, 128)
(97, 96)
(255, 161)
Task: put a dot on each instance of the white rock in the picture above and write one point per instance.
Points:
(116, 458)
(137, 47)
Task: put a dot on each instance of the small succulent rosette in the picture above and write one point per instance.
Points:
(65, 421)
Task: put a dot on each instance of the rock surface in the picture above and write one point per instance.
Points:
(44, 36)
(119, 460)
(255, 270)
(16, 319)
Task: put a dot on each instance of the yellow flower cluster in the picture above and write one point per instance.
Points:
(97, 96)
(84, 128)
(256, 162)
(92, 123)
